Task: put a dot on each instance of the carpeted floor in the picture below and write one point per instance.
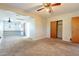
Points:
(43, 47)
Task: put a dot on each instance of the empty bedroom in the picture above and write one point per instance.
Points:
(39, 29)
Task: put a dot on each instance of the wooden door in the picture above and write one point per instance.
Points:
(53, 31)
(75, 29)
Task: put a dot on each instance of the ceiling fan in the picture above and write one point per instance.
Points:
(48, 6)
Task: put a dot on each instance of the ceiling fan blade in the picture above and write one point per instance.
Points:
(33, 8)
(40, 9)
(56, 4)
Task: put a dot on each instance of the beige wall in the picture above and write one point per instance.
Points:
(66, 24)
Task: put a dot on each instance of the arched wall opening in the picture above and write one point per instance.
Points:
(14, 27)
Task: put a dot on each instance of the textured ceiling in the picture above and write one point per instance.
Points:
(32, 7)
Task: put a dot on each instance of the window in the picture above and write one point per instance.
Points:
(13, 29)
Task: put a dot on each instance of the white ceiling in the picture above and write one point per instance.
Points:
(32, 7)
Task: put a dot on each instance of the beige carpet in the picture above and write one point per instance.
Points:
(43, 47)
